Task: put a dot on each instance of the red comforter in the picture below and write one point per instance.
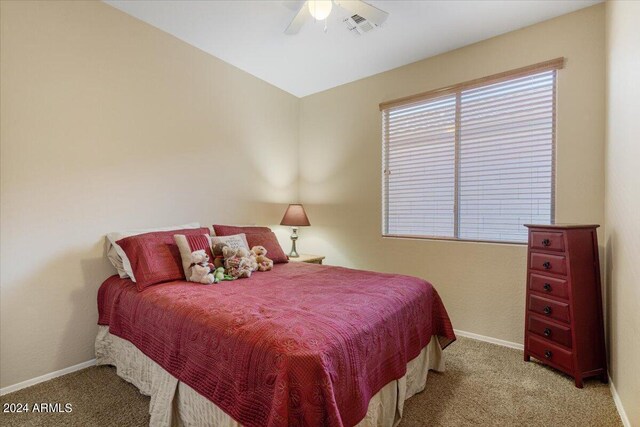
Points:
(302, 344)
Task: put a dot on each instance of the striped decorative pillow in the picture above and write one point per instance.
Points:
(189, 243)
(155, 257)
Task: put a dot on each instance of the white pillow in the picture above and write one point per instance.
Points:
(235, 240)
(186, 250)
(117, 256)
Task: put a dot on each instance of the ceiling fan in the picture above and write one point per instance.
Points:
(321, 9)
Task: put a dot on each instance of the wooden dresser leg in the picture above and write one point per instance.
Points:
(604, 378)
(579, 382)
(527, 358)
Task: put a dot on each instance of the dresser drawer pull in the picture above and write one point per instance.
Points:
(546, 242)
(547, 287)
(547, 310)
(546, 265)
(548, 354)
(547, 332)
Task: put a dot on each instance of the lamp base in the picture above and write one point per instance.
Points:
(294, 237)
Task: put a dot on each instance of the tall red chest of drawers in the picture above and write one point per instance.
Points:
(563, 320)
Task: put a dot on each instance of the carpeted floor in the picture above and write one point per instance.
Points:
(483, 385)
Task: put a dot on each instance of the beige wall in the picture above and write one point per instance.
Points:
(109, 124)
(623, 202)
(482, 285)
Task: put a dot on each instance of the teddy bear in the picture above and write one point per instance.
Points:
(237, 262)
(218, 256)
(260, 255)
(201, 270)
(253, 263)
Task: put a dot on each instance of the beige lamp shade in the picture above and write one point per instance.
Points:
(295, 216)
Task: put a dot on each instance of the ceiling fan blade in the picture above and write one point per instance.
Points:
(368, 12)
(298, 20)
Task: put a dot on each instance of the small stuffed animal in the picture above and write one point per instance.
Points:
(246, 264)
(219, 275)
(253, 263)
(201, 269)
(218, 256)
(260, 254)
(237, 262)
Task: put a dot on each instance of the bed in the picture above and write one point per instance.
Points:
(303, 344)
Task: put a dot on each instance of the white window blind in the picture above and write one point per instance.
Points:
(475, 163)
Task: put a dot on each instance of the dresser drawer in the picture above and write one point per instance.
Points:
(547, 240)
(556, 264)
(546, 351)
(549, 308)
(548, 285)
(549, 330)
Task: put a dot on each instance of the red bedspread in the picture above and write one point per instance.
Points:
(300, 345)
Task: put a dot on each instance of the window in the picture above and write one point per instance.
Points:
(473, 161)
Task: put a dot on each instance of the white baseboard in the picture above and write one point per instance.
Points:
(618, 402)
(46, 377)
(489, 339)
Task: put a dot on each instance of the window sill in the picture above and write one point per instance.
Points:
(451, 239)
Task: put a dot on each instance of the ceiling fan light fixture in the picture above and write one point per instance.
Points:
(320, 9)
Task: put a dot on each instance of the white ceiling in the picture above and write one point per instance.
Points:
(250, 34)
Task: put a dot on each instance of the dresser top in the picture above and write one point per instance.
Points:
(562, 226)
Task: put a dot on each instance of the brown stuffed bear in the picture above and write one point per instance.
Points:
(218, 256)
(260, 253)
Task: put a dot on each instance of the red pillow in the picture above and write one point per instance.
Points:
(270, 243)
(256, 236)
(155, 257)
(229, 230)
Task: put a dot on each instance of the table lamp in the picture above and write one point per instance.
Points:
(295, 216)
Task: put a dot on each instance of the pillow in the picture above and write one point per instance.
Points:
(227, 230)
(257, 236)
(270, 243)
(189, 243)
(117, 256)
(155, 257)
(235, 241)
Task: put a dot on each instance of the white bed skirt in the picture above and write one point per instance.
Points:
(174, 403)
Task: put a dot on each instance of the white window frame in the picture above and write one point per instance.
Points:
(552, 65)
